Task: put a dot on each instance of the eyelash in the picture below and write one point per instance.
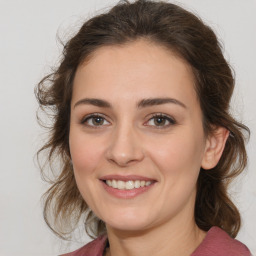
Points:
(164, 117)
(152, 117)
(95, 115)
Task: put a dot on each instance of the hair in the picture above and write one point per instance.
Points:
(183, 33)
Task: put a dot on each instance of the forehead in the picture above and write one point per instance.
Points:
(139, 69)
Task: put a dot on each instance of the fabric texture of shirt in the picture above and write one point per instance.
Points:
(216, 243)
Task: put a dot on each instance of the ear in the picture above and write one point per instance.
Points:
(215, 145)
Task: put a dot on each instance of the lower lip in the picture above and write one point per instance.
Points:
(126, 194)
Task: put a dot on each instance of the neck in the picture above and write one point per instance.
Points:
(176, 238)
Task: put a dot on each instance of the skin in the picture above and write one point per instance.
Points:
(129, 141)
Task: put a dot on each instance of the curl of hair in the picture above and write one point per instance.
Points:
(186, 35)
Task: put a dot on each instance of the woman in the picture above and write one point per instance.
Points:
(142, 127)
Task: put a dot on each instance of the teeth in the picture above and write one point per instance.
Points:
(129, 184)
(119, 184)
(114, 184)
(148, 183)
(137, 184)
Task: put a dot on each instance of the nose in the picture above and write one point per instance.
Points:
(125, 147)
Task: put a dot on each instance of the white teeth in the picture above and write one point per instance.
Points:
(119, 184)
(137, 184)
(148, 183)
(129, 184)
(114, 184)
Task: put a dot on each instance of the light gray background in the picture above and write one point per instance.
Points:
(28, 47)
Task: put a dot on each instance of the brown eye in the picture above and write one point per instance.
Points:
(94, 121)
(98, 120)
(160, 121)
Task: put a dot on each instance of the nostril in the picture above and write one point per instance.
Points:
(124, 150)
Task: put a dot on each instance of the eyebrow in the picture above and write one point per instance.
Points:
(141, 104)
(94, 102)
(159, 101)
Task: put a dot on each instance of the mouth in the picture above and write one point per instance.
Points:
(126, 186)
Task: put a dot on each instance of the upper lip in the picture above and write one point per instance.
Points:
(126, 177)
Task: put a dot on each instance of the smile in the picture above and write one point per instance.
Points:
(127, 185)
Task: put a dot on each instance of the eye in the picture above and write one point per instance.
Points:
(161, 121)
(95, 120)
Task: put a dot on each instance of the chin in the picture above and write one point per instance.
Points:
(127, 227)
(129, 221)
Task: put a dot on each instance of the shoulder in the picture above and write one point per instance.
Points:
(218, 243)
(94, 248)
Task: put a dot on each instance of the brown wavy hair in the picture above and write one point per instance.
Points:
(181, 32)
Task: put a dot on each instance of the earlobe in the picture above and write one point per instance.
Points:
(215, 145)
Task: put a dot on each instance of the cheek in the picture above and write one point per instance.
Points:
(85, 153)
(181, 154)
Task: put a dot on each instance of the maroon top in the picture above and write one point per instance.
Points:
(216, 243)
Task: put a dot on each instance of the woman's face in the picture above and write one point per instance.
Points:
(136, 136)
